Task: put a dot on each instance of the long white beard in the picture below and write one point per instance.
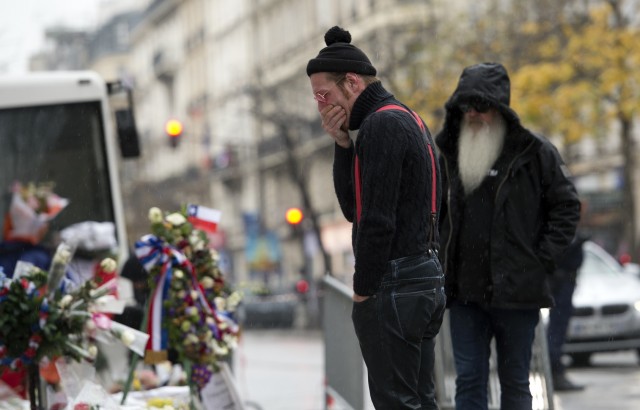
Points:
(478, 151)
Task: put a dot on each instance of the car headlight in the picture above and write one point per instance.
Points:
(637, 306)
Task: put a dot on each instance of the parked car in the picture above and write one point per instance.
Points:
(265, 308)
(606, 303)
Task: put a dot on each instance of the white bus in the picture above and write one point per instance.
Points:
(57, 127)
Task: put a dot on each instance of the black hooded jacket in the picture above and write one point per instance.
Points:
(535, 205)
(395, 169)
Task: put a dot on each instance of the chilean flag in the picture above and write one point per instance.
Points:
(203, 218)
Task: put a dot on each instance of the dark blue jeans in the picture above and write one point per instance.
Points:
(472, 328)
(559, 316)
(396, 329)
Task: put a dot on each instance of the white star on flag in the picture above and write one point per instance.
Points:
(203, 218)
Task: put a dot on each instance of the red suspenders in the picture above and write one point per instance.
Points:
(434, 179)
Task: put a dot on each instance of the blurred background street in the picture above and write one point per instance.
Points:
(283, 369)
(207, 102)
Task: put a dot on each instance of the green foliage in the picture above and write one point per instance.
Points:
(34, 325)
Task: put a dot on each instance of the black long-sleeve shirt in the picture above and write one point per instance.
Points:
(395, 170)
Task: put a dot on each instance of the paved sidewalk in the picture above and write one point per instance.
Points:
(611, 383)
(280, 369)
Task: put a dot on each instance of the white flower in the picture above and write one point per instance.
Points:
(65, 301)
(215, 256)
(176, 219)
(155, 215)
(93, 351)
(191, 339)
(178, 274)
(108, 265)
(89, 326)
(196, 241)
(230, 340)
(220, 303)
(194, 295)
(207, 282)
(219, 349)
(62, 256)
(127, 337)
(233, 301)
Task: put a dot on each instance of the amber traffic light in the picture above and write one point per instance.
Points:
(173, 128)
(294, 216)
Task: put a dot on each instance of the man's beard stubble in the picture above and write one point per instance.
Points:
(478, 150)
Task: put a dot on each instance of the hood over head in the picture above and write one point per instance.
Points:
(484, 82)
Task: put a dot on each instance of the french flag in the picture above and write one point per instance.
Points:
(203, 218)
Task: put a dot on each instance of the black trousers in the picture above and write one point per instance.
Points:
(396, 329)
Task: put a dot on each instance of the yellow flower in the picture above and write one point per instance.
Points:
(108, 265)
(159, 402)
(185, 326)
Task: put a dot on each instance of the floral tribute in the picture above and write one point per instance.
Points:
(43, 317)
(191, 309)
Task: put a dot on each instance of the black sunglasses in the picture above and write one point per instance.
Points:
(481, 107)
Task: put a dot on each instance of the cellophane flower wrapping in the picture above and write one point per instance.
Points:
(198, 306)
(32, 207)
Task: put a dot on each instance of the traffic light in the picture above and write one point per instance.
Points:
(173, 128)
(294, 216)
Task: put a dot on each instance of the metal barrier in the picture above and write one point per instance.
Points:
(346, 375)
(345, 372)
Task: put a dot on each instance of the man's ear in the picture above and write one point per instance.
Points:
(354, 82)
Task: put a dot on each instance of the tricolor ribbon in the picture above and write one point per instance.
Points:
(153, 251)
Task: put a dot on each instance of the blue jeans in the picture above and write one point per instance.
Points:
(472, 328)
(559, 317)
(396, 329)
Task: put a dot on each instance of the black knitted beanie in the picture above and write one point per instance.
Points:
(339, 56)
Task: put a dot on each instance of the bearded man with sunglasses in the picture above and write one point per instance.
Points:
(388, 185)
(509, 211)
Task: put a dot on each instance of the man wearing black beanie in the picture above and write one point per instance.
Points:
(387, 184)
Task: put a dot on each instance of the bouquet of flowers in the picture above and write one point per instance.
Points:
(32, 207)
(191, 310)
(43, 318)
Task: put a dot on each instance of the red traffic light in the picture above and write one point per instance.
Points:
(294, 216)
(302, 286)
(173, 128)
